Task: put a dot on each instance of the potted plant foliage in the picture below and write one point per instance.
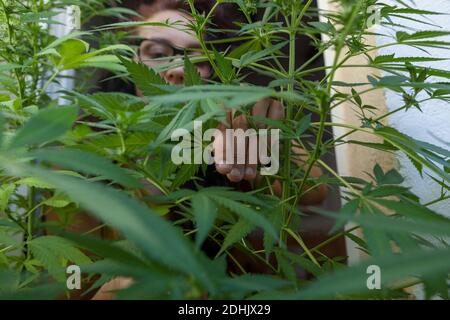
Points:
(66, 152)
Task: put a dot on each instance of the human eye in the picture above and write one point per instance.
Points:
(152, 50)
(158, 55)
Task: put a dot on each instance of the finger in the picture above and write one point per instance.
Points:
(276, 110)
(250, 172)
(251, 160)
(240, 150)
(300, 156)
(315, 196)
(229, 117)
(276, 185)
(108, 290)
(277, 188)
(320, 192)
(236, 174)
(260, 109)
(219, 147)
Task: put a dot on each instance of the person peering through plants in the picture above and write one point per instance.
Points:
(158, 45)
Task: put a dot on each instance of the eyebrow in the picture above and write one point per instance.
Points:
(192, 45)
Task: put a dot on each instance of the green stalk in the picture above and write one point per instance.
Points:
(303, 246)
(436, 201)
(47, 84)
(334, 173)
(8, 24)
(288, 144)
(295, 20)
(199, 33)
(330, 240)
(11, 37)
(35, 74)
(324, 106)
(30, 220)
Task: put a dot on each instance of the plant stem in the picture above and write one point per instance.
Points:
(30, 220)
(199, 33)
(334, 173)
(35, 74)
(324, 105)
(331, 239)
(123, 148)
(302, 245)
(11, 37)
(437, 200)
(286, 188)
(47, 84)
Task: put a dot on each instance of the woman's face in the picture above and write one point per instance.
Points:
(164, 42)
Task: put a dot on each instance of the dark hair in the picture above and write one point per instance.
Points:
(147, 8)
(226, 15)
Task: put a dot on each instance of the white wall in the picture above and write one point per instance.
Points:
(67, 25)
(433, 124)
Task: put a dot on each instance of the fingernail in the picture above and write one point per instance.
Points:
(250, 173)
(236, 175)
(223, 168)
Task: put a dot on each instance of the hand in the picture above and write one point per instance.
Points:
(109, 289)
(237, 172)
(314, 196)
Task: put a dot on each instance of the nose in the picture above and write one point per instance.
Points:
(175, 76)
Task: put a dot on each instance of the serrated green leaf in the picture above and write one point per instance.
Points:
(152, 234)
(394, 267)
(246, 213)
(6, 191)
(205, 213)
(239, 230)
(386, 191)
(255, 56)
(34, 182)
(147, 80)
(49, 250)
(303, 125)
(251, 283)
(47, 125)
(191, 75)
(59, 200)
(413, 149)
(404, 36)
(87, 163)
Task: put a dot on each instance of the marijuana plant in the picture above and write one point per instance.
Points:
(57, 159)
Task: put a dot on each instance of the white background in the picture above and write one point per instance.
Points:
(433, 124)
